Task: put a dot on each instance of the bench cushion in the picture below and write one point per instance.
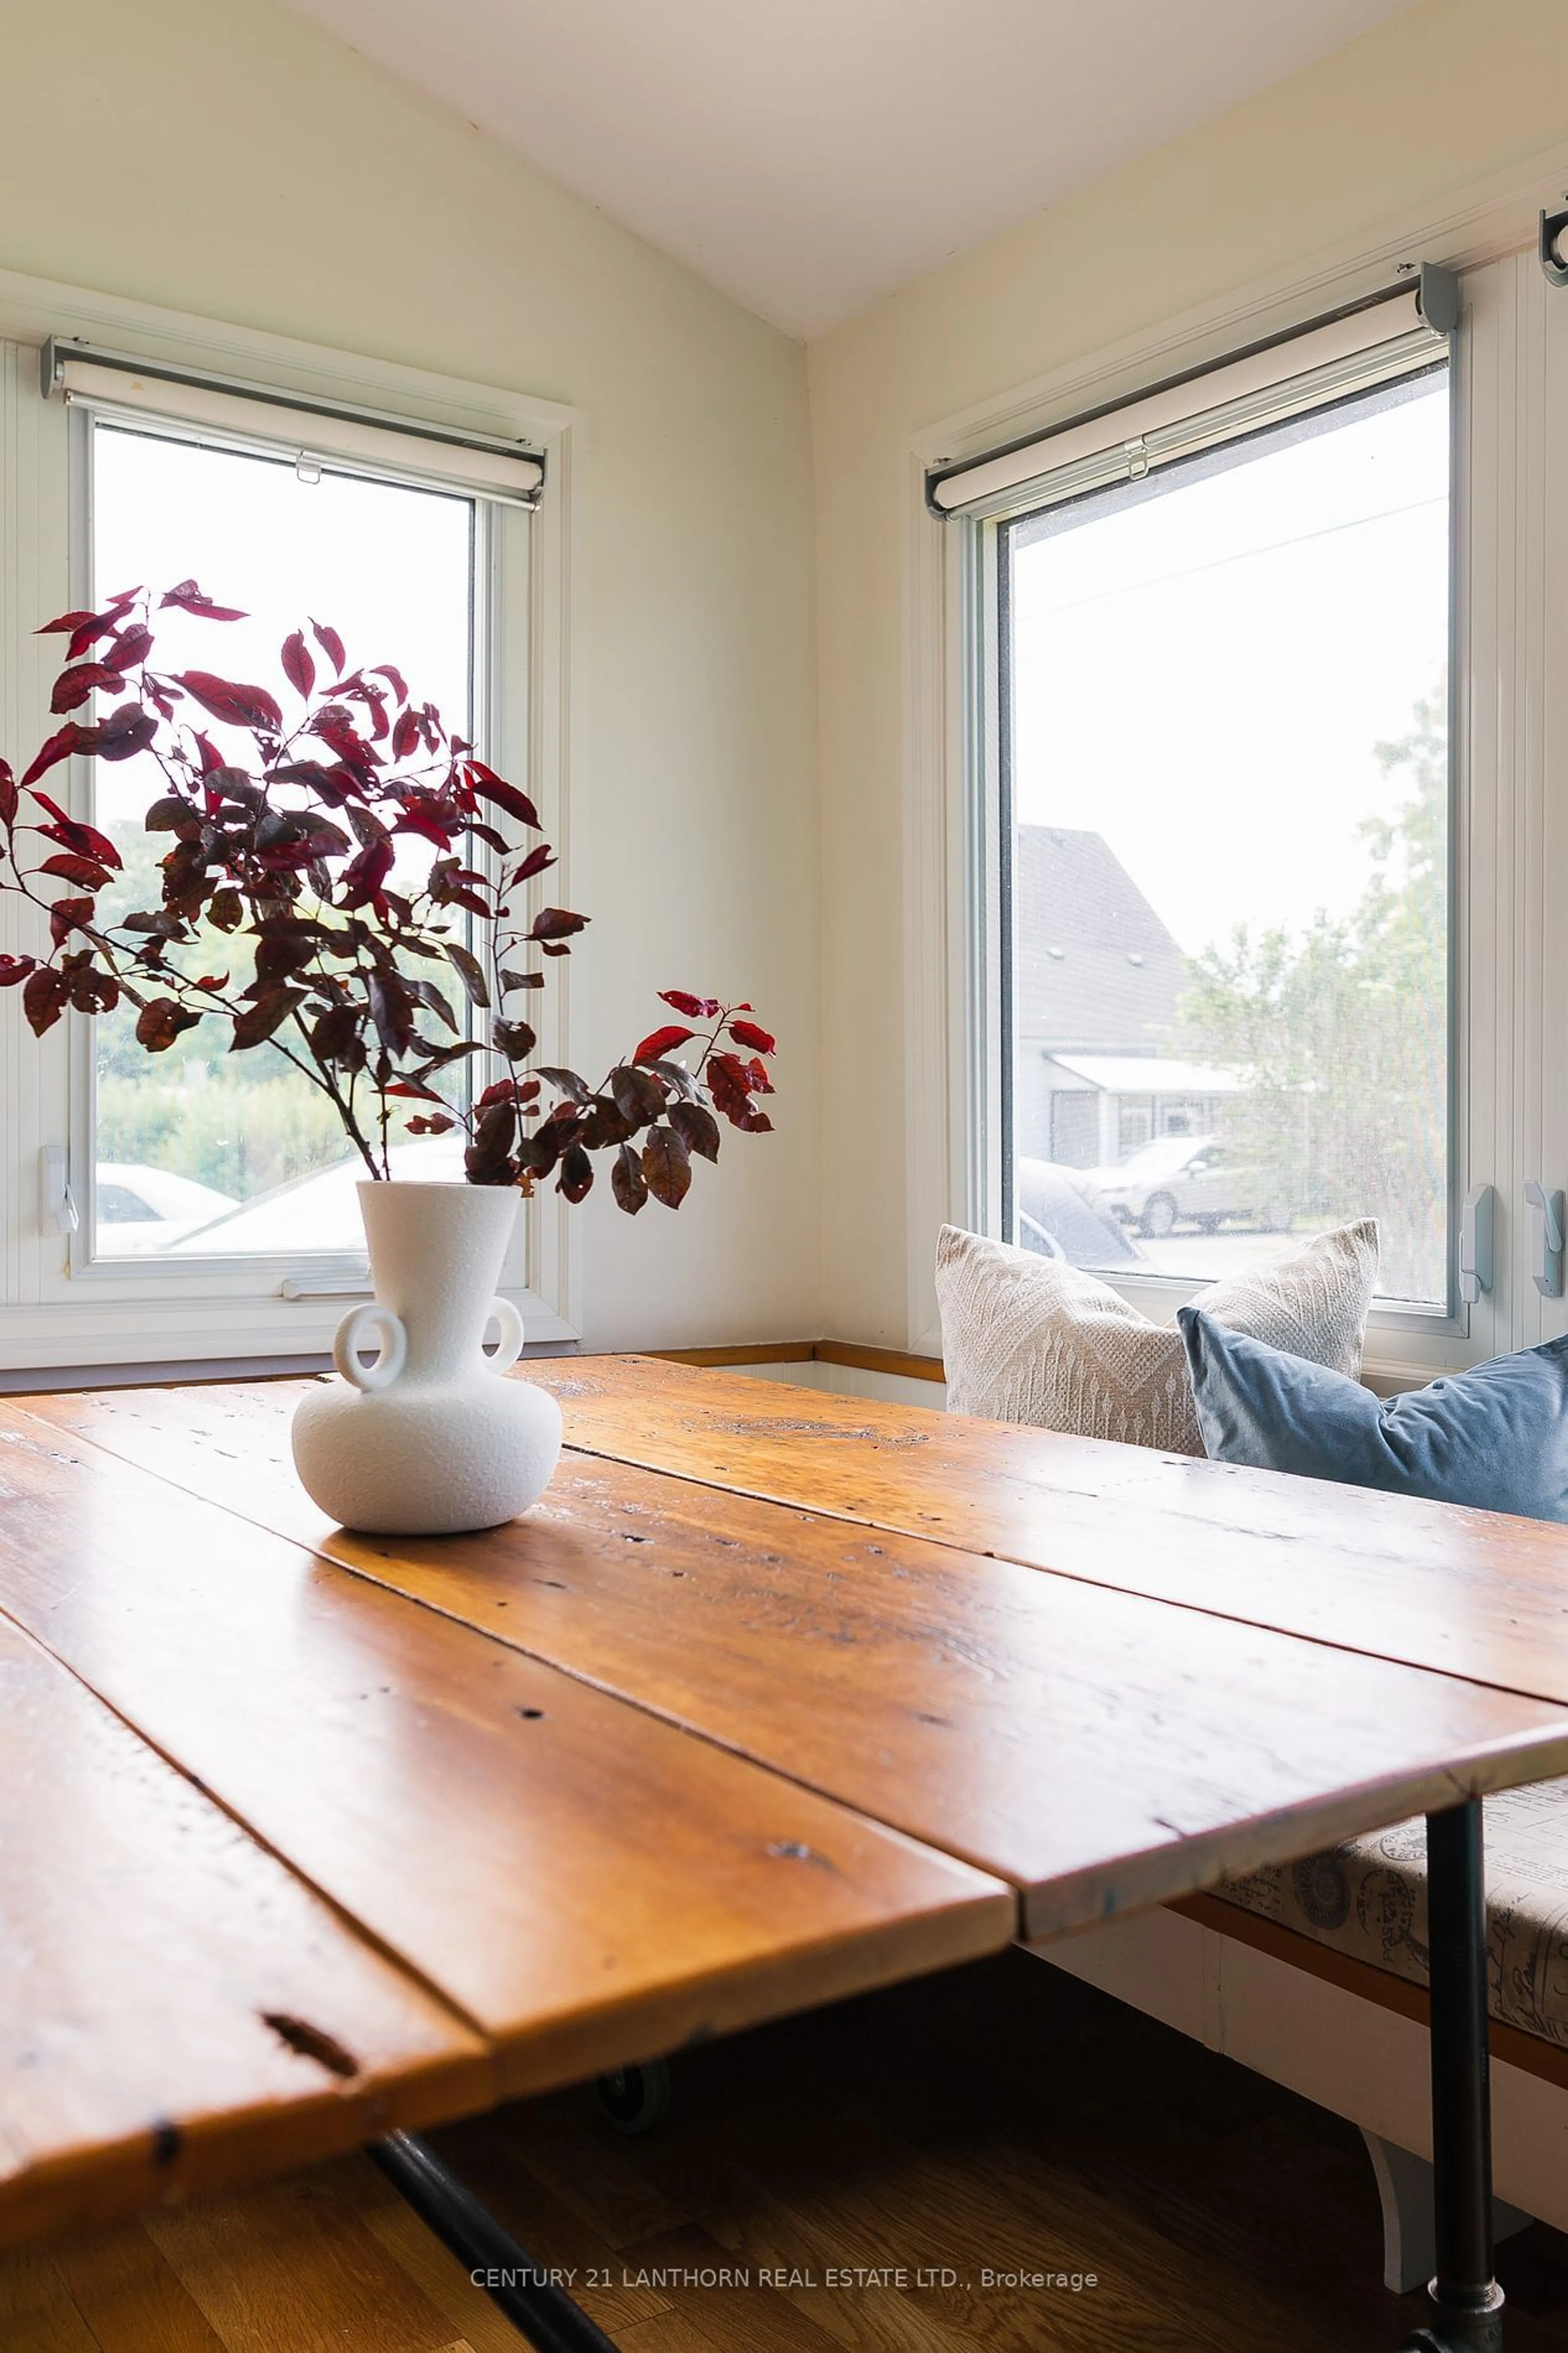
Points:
(1368, 1899)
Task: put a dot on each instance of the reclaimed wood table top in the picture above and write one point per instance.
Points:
(772, 1699)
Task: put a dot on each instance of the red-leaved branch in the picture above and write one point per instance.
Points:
(385, 978)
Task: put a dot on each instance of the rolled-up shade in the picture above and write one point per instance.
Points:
(1331, 360)
(116, 384)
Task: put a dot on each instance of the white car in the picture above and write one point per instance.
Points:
(1191, 1179)
(319, 1212)
(142, 1210)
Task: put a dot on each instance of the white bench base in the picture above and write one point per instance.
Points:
(1363, 2062)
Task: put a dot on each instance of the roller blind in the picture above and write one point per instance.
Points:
(1326, 361)
(119, 385)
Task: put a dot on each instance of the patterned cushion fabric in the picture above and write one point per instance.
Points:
(1369, 1899)
(1033, 1339)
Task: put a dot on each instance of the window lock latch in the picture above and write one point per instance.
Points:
(56, 1204)
(1475, 1242)
(1546, 1239)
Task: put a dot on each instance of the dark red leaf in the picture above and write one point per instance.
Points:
(160, 1022)
(82, 640)
(469, 971)
(71, 869)
(667, 1166)
(405, 735)
(747, 1033)
(439, 1124)
(567, 1083)
(638, 1094)
(394, 677)
(392, 1010)
(331, 645)
(130, 650)
(10, 799)
(513, 1039)
(59, 747)
(364, 876)
(535, 863)
(236, 705)
(43, 997)
(73, 687)
(556, 924)
(298, 667)
(127, 731)
(729, 1080)
(697, 1129)
(695, 1008)
(64, 624)
(575, 1179)
(68, 915)
(627, 1181)
(72, 834)
(15, 968)
(189, 599)
(660, 1042)
(256, 1023)
(491, 788)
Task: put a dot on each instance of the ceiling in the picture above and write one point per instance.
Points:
(810, 156)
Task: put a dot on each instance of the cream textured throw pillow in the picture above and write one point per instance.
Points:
(1033, 1339)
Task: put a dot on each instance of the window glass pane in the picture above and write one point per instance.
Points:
(201, 1150)
(1226, 766)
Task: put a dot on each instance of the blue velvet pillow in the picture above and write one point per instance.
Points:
(1494, 1437)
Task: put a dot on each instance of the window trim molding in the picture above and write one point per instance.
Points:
(943, 731)
(221, 1312)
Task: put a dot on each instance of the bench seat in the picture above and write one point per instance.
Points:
(1367, 1899)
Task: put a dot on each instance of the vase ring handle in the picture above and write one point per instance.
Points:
(358, 1328)
(510, 1347)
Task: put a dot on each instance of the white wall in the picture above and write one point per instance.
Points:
(1446, 96)
(224, 158)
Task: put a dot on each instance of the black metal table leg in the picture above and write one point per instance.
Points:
(1466, 2301)
(521, 2288)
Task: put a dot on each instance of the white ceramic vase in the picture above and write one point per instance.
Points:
(428, 1439)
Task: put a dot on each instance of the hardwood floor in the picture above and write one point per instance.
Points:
(998, 2118)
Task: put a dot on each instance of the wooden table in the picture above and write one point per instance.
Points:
(308, 1839)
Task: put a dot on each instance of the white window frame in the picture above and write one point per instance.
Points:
(61, 1307)
(1509, 841)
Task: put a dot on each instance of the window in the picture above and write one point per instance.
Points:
(1217, 820)
(197, 1207)
(1227, 756)
(228, 1154)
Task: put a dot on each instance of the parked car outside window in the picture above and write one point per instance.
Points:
(1191, 1179)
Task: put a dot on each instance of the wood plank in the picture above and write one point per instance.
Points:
(164, 1982)
(1475, 1593)
(933, 1690)
(584, 1882)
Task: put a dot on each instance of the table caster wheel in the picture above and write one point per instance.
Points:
(634, 2099)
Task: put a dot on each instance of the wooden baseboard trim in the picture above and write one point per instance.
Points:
(1510, 2044)
(898, 1361)
(752, 1352)
(881, 1360)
